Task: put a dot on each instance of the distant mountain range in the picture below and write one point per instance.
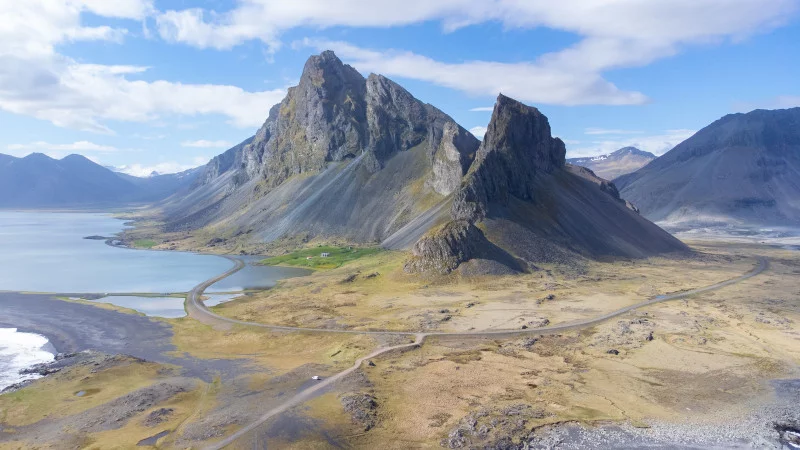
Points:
(361, 160)
(743, 168)
(37, 181)
(613, 165)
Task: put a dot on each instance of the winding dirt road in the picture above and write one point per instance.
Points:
(197, 310)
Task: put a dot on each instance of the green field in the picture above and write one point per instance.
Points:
(145, 243)
(337, 257)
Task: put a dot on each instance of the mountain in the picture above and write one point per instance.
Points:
(341, 156)
(613, 165)
(360, 159)
(40, 181)
(743, 168)
(521, 204)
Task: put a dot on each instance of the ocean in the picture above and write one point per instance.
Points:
(21, 350)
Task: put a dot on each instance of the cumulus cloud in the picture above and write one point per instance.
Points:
(202, 143)
(657, 144)
(37, 81)
(613, 34)
(478, 132)
(537, 82)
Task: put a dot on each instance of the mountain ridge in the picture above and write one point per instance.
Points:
(360, 160)
(743, 167)
(38, 180)
(615, 164)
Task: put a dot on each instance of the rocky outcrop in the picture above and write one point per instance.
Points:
(516, 148)
(533, 208)
(457, 242)
(444, 249)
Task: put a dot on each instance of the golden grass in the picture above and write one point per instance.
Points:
(54, 396)
(277, 351)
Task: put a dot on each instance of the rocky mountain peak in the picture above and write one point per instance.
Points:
(516, 148)
(327, 71)
(335, 114)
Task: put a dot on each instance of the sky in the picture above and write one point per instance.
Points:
(152, 85)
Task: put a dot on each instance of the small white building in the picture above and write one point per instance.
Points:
(325, 255)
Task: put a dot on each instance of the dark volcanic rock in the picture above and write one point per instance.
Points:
(443, 250)
(457, 242)
(158, 416)
(516, 148)
(362, 408)
(532, 205)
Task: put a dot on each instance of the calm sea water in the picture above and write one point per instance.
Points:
(46, 252)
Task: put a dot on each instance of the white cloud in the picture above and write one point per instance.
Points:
(202, 143)
(656, 144)
(35, 80)
(41, 146)
(478, 132)
(613, 34)
(600, 131)
(537, 82)
(482, 109)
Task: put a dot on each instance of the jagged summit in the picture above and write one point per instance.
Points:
(531, 207)
(360, 159)
(516, 148)
(337, 134)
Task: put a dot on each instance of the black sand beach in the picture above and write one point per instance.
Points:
(74, 327)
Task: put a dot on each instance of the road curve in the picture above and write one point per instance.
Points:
(196, 309)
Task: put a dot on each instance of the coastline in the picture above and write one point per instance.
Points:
(74, 327)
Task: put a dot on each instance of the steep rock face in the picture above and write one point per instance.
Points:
(220, 164)
(321, 119)
(741, 168)
(532, 207)
(516, 148)
(372, 157)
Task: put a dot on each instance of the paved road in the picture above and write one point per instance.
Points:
(196, 309)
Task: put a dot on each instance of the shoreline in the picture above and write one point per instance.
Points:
(75, 327)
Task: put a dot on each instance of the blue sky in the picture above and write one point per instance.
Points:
(165, 85)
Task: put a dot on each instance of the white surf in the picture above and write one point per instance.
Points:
(19, 351)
